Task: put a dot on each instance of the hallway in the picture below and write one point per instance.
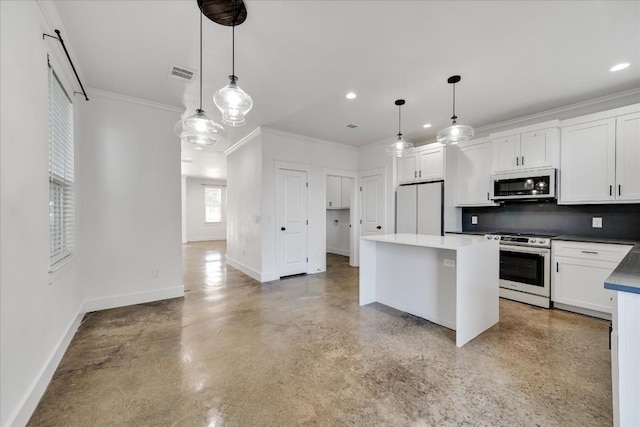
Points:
(300, 351)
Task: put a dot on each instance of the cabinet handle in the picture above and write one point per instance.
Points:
(517, 160)
(415, 174)
(557, 268)
(619, 189)
(522, 160)
(420, 174)
(330, 203)
(590, 252)
(610, 190)
(487, 195)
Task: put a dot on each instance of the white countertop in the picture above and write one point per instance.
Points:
(430, 241)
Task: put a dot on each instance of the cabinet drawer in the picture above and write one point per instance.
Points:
(594, 251)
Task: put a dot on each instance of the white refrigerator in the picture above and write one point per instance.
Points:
(419, 208)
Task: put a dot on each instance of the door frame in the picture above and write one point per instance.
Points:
(301, 167)
(353, 211)
(387, 214)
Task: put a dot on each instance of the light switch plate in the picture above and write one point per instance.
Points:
(596, 222)
(474, 219)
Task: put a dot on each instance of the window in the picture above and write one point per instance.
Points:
(212, 204)
(61, 198)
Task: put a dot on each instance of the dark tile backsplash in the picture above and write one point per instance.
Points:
(618, 221)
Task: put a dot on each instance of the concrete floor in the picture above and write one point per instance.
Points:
(300, 351)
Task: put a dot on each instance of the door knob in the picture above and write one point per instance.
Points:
(379, 227)
(282, 228)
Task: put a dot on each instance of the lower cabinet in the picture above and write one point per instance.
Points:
(578, 273)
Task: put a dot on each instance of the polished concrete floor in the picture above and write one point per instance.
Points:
(300, 351)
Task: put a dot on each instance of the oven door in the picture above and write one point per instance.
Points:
(525, 269)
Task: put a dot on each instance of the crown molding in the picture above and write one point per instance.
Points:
(133, 100)
(309, 139)
(243, 141)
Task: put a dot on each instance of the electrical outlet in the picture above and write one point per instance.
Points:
(155, 273)
(596, 222)
(449, 263)
(474, 219)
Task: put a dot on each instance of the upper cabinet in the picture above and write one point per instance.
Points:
(338, 192)
(422, 164)
(473, 171)
(600, 158)
(526, 148)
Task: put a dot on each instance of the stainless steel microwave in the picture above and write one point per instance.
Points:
(526, 185)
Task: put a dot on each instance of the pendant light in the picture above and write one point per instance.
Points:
(454, 133)
(199, 129)
(398, 148)
(233, 102)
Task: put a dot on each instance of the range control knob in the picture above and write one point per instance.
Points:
(542, 241)
(496, 237)
(533, 240)
(487, 237)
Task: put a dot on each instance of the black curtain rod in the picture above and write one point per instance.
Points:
(59, 38)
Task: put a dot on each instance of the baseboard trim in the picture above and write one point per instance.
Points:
(206, 238)
(245, 269)
(130, 299)
(336, 251)
(30, 401)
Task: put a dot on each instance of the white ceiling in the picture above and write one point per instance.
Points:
(298, 59)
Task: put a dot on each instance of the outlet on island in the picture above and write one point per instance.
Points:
(596, 222)
(474, 219)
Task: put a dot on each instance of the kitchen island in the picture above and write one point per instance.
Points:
(449, 280)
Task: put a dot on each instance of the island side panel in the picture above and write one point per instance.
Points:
(477, 278)
(413, 279)
(367, 272)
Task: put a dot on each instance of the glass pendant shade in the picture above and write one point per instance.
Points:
(398, 148)
(199, 129)
(233, 103)
(454, 134)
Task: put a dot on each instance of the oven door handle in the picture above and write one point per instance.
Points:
(525, 249)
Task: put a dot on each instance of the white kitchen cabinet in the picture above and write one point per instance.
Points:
(338, 192)
(599, 160)
(473, 173)
(526, 148)
(579, 271)
(422, 164)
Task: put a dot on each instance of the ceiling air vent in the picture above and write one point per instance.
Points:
(181, 73)
(353, 126)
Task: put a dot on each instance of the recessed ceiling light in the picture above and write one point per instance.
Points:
(198, 148)
(426, 125)
(351, 95)
(619, 67)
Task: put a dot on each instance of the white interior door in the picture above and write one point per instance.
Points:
(292, 223)
(373, 205)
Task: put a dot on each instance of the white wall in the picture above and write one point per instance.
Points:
(244, 215)
(318, 156)
(40, 311)
(131, 194)
(338, 231)
(197, 228)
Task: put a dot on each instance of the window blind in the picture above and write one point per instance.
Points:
(61, 179)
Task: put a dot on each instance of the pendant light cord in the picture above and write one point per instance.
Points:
(399, 120)
(233, 41)
(201, 59)
(454, 117)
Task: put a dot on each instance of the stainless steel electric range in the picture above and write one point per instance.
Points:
(525, 267)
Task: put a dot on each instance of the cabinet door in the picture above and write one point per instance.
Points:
(506, 153)
(334, 190)
(587, 162)
(628, 157)
(431, 164)
(407, 169)
(535, 149)
(580, 283)
(473, 170)
(346, 192)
